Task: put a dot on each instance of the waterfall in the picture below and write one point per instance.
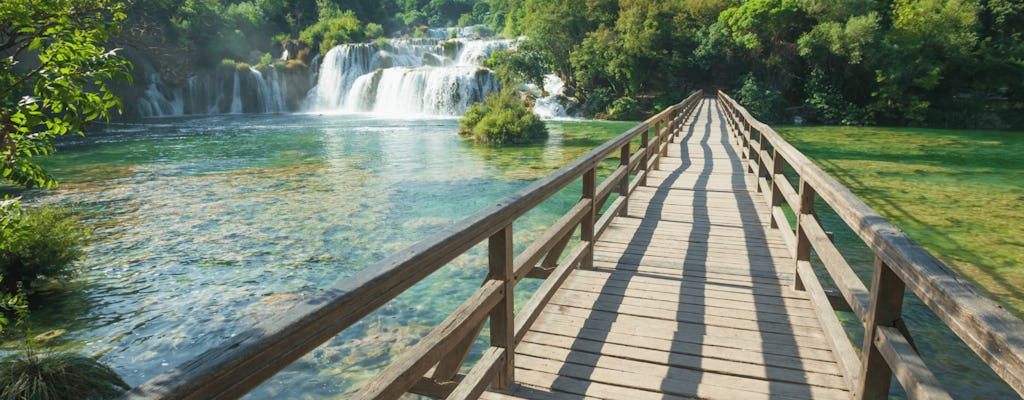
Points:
(552, 106)
(438, 76)
(236, 95)
(154, 101)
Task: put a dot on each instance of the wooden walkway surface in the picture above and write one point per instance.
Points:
(690, 296)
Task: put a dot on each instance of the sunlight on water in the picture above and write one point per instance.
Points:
(205, 226)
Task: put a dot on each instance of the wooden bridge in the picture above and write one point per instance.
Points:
(682, 275)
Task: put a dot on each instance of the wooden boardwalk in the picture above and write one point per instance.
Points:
(690, 296)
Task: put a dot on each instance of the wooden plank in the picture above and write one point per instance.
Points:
(555, 347)
(676, 381)
(846, 356)
(848, 283)
(631, 305)
(398, 377)
(672, 268)
(552, 386)
(915, 377)
(480, 375)
(540, 298)
(526, 260)
(791, 357)
(739, 295)
(724, 328)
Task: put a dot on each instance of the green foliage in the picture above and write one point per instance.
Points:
(39, 243)
(502, 119)
(829, 105)
(334, 27)
(514, 67)
(11, 302)
(374, 31)
(54, 78)
(764, 103)
(624, 109)
(59, 376)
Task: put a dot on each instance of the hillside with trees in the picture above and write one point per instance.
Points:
(908, 62)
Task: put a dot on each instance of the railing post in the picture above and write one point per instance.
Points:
(624, 183)
(777, 170)
(803, 244)
(885, 309)
(673, 122)
(502, 318)
(762, 165)
(587, 223)
(665, 132)
(644, 142)
(752, 153)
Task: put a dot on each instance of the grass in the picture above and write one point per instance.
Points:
(960, 194)
(57, 377)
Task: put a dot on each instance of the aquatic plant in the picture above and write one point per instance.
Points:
(58, 376)
(39, 242)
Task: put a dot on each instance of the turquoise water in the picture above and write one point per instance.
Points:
(204, 226)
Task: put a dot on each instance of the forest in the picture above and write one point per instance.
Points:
(940, 63)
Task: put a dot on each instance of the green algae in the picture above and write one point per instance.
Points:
(960, 194)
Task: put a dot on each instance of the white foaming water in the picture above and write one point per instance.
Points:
(402, 77)
(552, 106)
(153, 102)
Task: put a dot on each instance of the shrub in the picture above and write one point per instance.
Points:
(764, 103)
(38, 243)
(502, 119)
(59, 376)
(374, 31)
(624, 109)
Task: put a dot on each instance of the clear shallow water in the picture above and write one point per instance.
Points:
(204, 226)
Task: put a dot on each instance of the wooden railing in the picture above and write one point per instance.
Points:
(989, 330)
(431, 367)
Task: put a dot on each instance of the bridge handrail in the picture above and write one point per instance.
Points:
(992, 332)
(235, 367)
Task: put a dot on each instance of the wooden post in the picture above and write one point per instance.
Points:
(752, 153)
(673, 123)
(502, 318)
(777, 170)
(803, 245)
(665, 132)
(885, 310)
(587, 223)
(624, 183)
(644, 142)
(762, 164)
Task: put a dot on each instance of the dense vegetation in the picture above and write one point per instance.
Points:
(502, 119)
(918, 62)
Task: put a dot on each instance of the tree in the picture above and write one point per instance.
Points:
(54, 76)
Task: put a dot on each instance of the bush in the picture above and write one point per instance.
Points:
(38, 243)
(598, 101)
(374, 31)
(830, 107)
(624, 109)
(765, 104)
(502, 119)
(59, 376)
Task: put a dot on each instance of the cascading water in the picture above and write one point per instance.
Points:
(154, 101)
(403, 77)
(552, 106)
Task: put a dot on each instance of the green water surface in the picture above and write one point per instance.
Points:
(960, 194)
